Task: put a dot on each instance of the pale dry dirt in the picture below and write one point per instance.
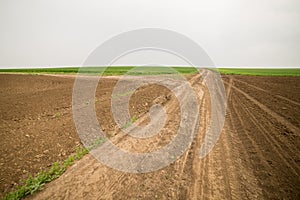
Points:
(256, 156)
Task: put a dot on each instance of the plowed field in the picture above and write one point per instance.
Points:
(256, 157)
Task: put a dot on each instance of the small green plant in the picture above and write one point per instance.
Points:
(35, 184)
(80, 152)
(97, 100)
(95, 144)
(132, 120)
(58, 114)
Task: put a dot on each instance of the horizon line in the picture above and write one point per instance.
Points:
(218, 67)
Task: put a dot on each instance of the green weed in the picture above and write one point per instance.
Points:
(128, 124)
(37, 183)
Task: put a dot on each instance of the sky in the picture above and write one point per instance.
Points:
(238, 33)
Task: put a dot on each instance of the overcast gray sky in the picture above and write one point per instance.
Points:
(233, 32)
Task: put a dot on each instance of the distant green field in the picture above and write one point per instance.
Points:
(109, 71)
(115, 71)
(261, 72)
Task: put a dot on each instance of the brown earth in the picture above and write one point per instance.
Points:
(36, 125)
(256, 157)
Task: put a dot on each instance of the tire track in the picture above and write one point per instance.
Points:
(269, 111)
(254, 156)
(212, 178)
(123, 139)
(267, 167)
(279, 140)
(229, 143)
(274, 144)
(226, 145)
(220, 180)
(228, 92)
(196, 167)
(263, 90)
(250, 188)
(204, 168)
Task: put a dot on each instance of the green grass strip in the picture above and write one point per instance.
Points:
(261, 72)
(37, 183)
(109, 71)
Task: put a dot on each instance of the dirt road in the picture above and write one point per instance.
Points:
(256, 157)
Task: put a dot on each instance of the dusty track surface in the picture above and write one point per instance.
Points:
(256, 157)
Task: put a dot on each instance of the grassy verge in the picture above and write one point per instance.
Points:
(37, 183)
(109, 71)
(261, 72)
